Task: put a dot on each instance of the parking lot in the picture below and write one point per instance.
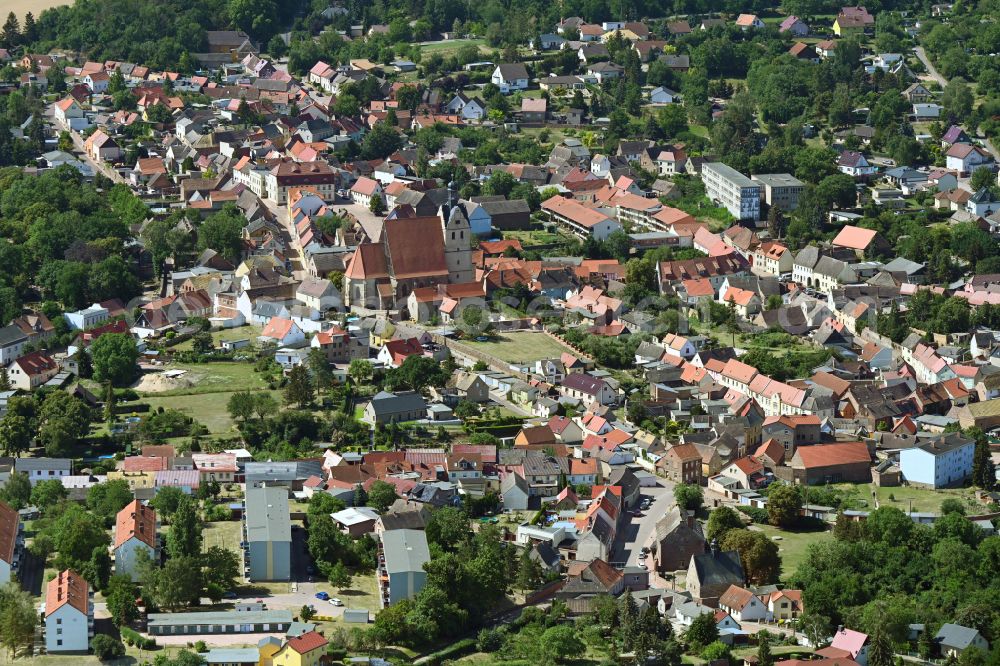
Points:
(640, 529)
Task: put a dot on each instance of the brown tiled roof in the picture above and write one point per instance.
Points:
(9, 521)
(735, 597)
(415, 247)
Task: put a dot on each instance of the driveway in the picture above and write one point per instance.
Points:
(639, 531)
(931, 70)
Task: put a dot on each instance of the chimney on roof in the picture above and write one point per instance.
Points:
(714, 548)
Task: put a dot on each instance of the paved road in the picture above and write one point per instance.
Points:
(941, 81)
(640, 530)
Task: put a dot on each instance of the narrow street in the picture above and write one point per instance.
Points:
(943, 82)
(291, 239)
(639, 531)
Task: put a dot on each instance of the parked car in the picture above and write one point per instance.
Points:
(322, 596)
(334, 601)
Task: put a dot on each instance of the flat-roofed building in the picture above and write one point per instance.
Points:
(267, 532)
(781, 190)
(732, 190)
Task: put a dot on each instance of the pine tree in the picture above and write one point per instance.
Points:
(10, 36)
(299, 390)
(630, 621)
(984, 472)
(764, 656)
(529, 572)
(30, 31)
(109, 402)
(880, 652)
(4, 380)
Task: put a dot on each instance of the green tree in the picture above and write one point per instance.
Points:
(957, 99)
(981, 178)
(880, 650)
(783, 505)
(764, 656)
(383, 140)
(560, 643)
(17, 491)
(17, 618)
(106, 648)
(381, 495)
(529, 572)
(720, 521)
(299, 390)
(758, 554)
(360, 370)
(688, 496)
(184, 537)
(223, 232)
(984, 473)
(114, 356)
(120, 595)
(48, 493)
(702, 632)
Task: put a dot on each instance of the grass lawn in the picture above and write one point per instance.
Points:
(793, 545)
(226, 376)
(208, 409)
(224, 533)
(521, 347)
(535, 237)
(447, 47)
(238, 333)
(908, 498)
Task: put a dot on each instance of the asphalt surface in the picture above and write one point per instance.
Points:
(640, 530)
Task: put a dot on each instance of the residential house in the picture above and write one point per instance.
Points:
(307, 649)
(854, 643)
(965, 158)
(11, 543)
(510, 77)
(69, 614)
(588, 388)
(832, 463)
(794, 26)
(852, 22)
(32, 370)
(942, 462)
(677, 538)
(267, 530)
(403, 555)
(43, 469)
(135, 532)
(385, 407)
(855, 164)
(954, 639)
(742, 604)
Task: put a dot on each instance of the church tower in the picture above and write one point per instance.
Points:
(457, 240)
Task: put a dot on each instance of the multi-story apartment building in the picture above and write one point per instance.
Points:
(734, 191)
(781, 190)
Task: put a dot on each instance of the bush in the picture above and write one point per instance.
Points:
(132, 637)
(106, 648)
(756, 513)
(453, 651)
(200, 646)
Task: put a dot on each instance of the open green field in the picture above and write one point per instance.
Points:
(451, 46)
(224, 376)
(793, 545)
(238, 333)
(208, 409)
(909, 498)
(520, 347)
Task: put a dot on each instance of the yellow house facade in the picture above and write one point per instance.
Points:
(304, 650)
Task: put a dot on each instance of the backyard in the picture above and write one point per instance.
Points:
(793, 546)
(239, 333)
(909, 498)
(520, 347)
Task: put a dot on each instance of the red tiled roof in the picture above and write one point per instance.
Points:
(68, 587)
(137, 520)
(829, 455)
(307, 642)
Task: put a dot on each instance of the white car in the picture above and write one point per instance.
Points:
(336, 602)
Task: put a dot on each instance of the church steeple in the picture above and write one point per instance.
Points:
(457, 239)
